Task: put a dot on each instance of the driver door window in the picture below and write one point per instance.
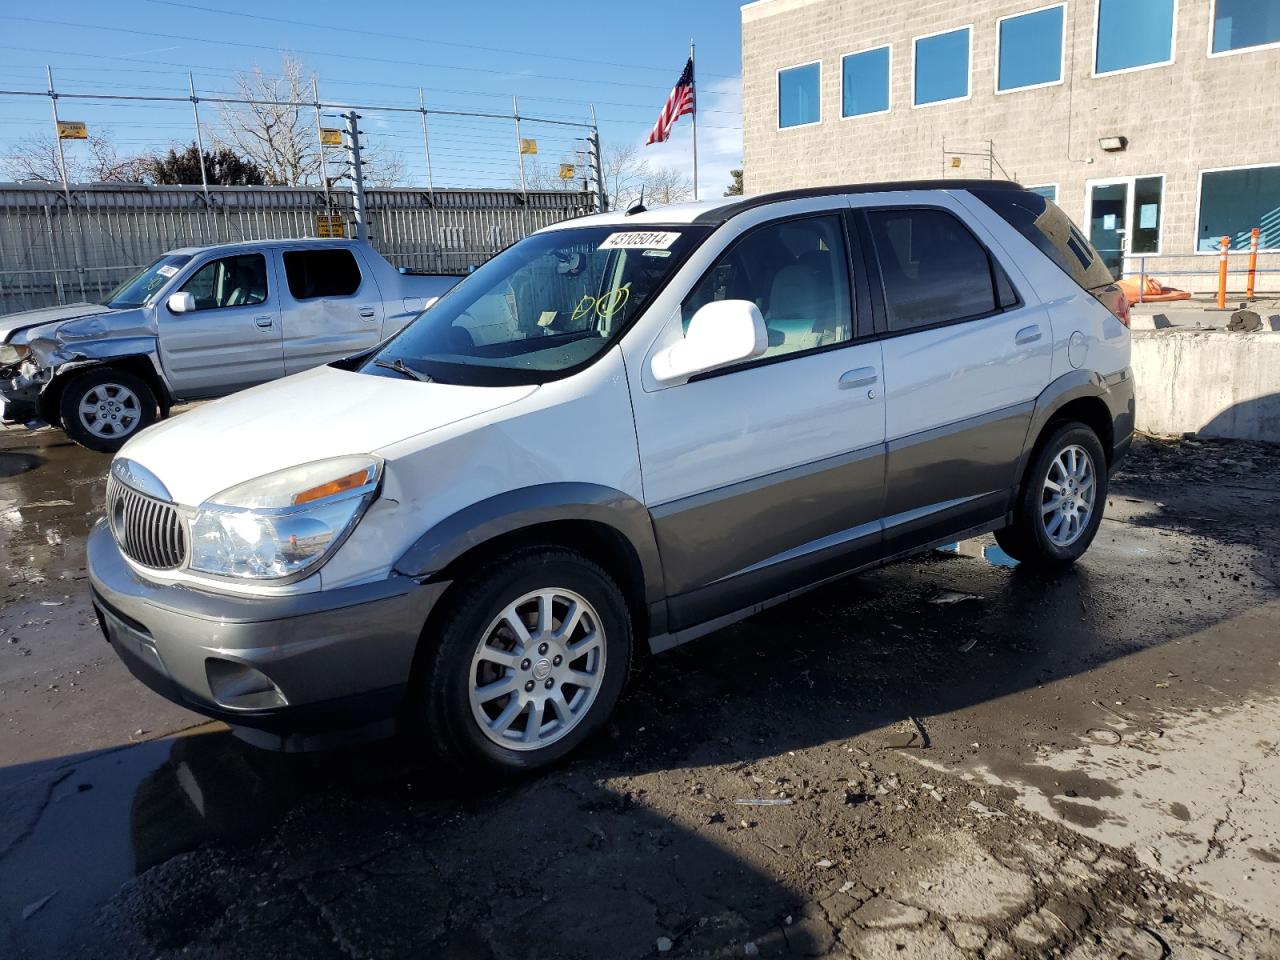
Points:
(239, 281)
(797, 273)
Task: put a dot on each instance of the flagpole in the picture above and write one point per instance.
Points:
(693, 75)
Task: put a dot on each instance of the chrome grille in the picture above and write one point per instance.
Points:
(149, 531)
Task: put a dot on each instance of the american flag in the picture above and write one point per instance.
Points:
(678, 104)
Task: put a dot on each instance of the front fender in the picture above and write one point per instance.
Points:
(520, 509)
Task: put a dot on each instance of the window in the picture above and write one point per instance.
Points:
(1049, 191)
(1148, 195)
(1051, 230)
(941, 67)
(799, 95)
(865, 82)
(1244, 25)
(1233, 202)
(1029, 49)
(321, 273)
(1133, 34)
(934, 270)
(230, 282)
(796, 272)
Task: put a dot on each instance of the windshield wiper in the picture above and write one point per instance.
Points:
(399, 366)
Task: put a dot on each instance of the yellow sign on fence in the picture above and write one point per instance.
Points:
(331, 225)
(528, 146)
(330, 137)
(566, 171)
(72, 130)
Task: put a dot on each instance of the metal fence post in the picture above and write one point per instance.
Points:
(358, 204)
(524, 193)
(204, 174)
(324, 166)
(1142, 278)
(433, 219)
(597, 162)
(66, 187)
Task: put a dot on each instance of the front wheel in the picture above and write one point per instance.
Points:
(103, 407)
(1060, 504)
(531, 660)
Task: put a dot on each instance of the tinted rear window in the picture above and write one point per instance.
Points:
(321, 273)
(1042, 222)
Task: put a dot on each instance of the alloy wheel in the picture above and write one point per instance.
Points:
(1067, 500)
(537, 669)
(110, 410)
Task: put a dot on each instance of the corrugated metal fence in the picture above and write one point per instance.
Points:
(51, 253)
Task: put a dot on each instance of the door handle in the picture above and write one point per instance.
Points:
(264, 322)
(1028, 335)
(366, 312)
(861, 377)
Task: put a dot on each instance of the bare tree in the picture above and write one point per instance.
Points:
(667, 185)
(279, 136)
(95, 160)
(624, 175)
(275, 134)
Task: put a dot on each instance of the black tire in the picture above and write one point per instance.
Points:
(441, 697)
(1027, 540)
(104, 384)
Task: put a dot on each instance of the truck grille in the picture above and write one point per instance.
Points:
(149, 531)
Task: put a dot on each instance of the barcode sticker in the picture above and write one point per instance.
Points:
(636, 240)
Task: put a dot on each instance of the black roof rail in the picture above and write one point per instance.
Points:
(721, 214)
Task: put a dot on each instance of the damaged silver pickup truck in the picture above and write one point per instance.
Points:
(200, 322)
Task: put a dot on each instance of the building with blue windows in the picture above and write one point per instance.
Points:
(1154, 123)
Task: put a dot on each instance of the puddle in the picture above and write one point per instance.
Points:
(12, 464)
(979, 550)
(76, 828)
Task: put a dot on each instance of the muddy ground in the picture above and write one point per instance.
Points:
(950, 757)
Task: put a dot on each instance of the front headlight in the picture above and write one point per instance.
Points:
(11, 353)
(285, 523)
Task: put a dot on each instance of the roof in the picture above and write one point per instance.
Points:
(714, 212)
(246, 244)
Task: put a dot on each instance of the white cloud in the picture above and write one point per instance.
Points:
(719, 138)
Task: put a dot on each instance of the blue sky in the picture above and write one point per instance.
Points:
(558, 58)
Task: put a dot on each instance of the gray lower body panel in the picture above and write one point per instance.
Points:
(333, 656)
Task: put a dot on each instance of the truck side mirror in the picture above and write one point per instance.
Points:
(181, 303)
(721, 333)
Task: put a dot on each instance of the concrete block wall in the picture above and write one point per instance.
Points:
(1212, 383)
(1194, 114)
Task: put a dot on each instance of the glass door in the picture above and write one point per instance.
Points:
(1124, 218)
(1108, 216)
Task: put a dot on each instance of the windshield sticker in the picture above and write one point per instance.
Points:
(657, 253)
(166, 271)
(639, 241)
(548, 318)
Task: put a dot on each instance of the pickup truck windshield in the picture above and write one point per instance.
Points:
(138, 289)
(543, 307)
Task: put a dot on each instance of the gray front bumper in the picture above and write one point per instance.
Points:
(337, 658)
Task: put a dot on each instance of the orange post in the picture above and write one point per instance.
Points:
(1222, 273)
(1253, 262)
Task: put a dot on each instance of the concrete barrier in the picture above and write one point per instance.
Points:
(1208, 382)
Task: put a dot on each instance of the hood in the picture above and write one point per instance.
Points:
(14, 322)
(315, 415)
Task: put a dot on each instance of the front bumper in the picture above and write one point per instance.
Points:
(297, 670)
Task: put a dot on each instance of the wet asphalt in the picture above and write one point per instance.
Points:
(128, 825)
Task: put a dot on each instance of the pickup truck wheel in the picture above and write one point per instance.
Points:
(531, 661)
(1059, 508)
(104, 407)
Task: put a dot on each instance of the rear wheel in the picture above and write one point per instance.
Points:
(532, 658)
(103, 407)
(1060, 504)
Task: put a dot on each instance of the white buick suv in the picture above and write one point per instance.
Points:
(623, 432)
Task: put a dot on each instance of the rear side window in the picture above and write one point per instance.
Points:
(1042, 222)
(933, 269)
(321, 273)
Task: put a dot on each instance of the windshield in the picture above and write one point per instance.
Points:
(139, 288)
(544, 306)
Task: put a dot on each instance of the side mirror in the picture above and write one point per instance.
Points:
(181, 302)
(720, 333)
